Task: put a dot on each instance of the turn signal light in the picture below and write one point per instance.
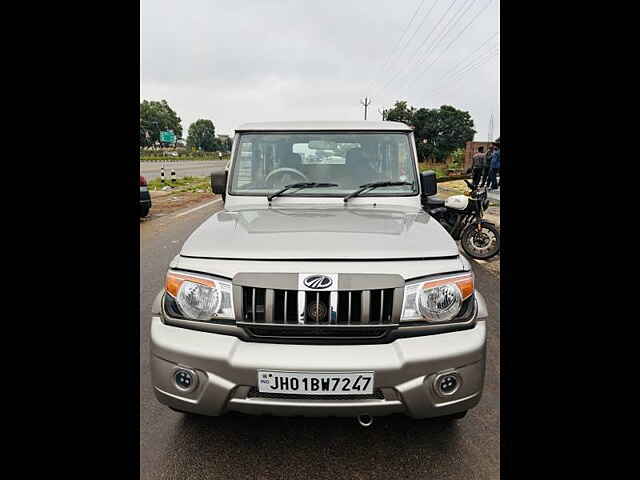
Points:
(175, 280)
(463, 281)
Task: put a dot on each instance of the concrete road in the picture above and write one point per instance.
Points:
(151, 170)
(175, 446)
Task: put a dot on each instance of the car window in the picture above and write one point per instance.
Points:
(265, 162)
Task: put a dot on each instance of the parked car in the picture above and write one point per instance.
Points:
(320, 289)
(145, 197)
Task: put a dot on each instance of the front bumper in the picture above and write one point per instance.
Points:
(405, 369)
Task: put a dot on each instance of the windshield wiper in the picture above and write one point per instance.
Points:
(369, 186)
(300, 185)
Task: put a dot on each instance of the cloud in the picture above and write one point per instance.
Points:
(235, 62)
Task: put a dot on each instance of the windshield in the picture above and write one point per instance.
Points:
(266, 162)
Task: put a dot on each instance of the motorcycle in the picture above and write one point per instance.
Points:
(462, 217)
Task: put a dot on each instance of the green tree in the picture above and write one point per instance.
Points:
(155, 117)
(438, 131)
(225, 143)
(445, 130)
(400, 113)
(202, 135)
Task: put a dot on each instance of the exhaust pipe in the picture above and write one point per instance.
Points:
(365, 420)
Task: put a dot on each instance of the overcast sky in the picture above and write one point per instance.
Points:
(260, 60)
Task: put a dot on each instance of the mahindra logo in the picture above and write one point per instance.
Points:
(318, 282)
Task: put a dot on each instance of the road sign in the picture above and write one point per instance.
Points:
(167, 136)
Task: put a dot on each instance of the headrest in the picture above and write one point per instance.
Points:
(355, 155)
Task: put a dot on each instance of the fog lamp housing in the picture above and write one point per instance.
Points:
(185, 379)
(447, 383)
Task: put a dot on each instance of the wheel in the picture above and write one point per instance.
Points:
(284, 176)
(483, 243)
(144, 211)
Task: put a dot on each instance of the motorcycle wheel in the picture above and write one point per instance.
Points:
(481, 244)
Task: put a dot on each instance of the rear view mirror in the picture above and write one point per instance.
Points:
(219, 183)
(322, 145)
(428, 183)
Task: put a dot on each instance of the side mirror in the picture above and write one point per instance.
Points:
(428, 183)
(219, 183)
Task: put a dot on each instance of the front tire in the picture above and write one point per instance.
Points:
(481, 244)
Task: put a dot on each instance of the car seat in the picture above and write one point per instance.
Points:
(357, 166)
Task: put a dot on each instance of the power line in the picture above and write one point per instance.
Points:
(464, 73)
(393, 77)
(458, 71)
(454, 19)
(453, 41)
(442, 36)
(403, 49)
(399, 41)
(476, 62)
(469, 56)
(446, 30)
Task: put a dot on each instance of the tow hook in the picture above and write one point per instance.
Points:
(365, 420)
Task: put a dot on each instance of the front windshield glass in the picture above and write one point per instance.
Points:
(266, 162)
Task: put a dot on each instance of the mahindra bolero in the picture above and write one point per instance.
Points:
(323, 287)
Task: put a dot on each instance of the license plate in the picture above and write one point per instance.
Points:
(303, 383)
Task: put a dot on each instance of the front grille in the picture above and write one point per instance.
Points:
(254, 393)
(316, 332)
(319, 309)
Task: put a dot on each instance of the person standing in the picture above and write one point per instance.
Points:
(484, 180)
(477, 166)
(494, 168)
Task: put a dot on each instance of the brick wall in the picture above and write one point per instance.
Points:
(470, 149)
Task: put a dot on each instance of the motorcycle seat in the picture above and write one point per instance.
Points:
(435, 202)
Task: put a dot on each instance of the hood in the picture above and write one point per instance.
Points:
(321, 233)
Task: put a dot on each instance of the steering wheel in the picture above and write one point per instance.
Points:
(284, 176)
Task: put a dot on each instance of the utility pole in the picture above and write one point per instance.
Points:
(490, 139)
(382, 113)
(365, 104)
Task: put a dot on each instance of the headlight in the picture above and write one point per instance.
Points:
(200, 298)
(437, 300)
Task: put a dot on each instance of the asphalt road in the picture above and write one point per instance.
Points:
(233, 446)
(191, 168)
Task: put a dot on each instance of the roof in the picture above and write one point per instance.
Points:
(323, 125)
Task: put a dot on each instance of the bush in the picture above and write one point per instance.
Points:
(457, 159)
(187, 156)
(439, 168)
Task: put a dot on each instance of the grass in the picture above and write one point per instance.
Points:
(181, 158)
(184, 184)
(457, 185)
(439, 168)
